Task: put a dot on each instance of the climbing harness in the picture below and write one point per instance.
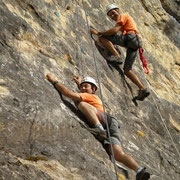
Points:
(108, 131)
(143, 60)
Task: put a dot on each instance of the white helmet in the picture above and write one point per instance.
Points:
(111, 7)
(89, 80)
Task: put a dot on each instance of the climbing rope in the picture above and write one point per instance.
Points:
(87, 23)
(165, 125)
(82, 51)
(151, 144)
(168, 132)
(146, 70)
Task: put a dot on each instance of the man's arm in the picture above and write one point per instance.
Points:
(64, 90)
(111, 31)
(78, 80)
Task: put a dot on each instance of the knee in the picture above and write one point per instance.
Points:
(81, 105)
(126, 71)
(102, 39)
(119, 156)
(118, 152)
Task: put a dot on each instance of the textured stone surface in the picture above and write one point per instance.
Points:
(44, 137)
(172, 7)
(13, 169)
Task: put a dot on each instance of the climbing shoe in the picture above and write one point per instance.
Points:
(142, 94)
(114, 60)
(143, 175)
(98, 133)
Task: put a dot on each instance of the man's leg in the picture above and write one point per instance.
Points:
(90, 112)
(109, 45)
(119, 155)
(132, 76)
(124, 158)
(129, 61)
(142, 93)
(130, 58)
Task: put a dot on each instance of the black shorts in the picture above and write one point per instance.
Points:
(114, 133)
(129, 41)
(113, 128)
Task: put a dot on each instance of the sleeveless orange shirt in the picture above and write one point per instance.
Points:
(93, 100)
(127, 23)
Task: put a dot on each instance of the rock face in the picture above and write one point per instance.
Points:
(172, 7)
(42, 136)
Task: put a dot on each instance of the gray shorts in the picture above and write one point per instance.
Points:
(129, 41)
(114, 133)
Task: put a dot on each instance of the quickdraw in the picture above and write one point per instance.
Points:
(143, 60)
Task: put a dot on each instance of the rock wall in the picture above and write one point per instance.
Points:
(42, 136)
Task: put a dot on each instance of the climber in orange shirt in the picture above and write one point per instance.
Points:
(127, 38)
(91, 106)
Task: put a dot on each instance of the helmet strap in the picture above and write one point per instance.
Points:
(117, 10)
(93, 89)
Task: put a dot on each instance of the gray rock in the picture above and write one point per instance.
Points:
(43, 136)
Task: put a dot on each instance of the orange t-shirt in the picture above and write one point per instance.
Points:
(93, 100)
(127, 23)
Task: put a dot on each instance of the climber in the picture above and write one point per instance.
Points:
(91, 106)
(124, 34)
